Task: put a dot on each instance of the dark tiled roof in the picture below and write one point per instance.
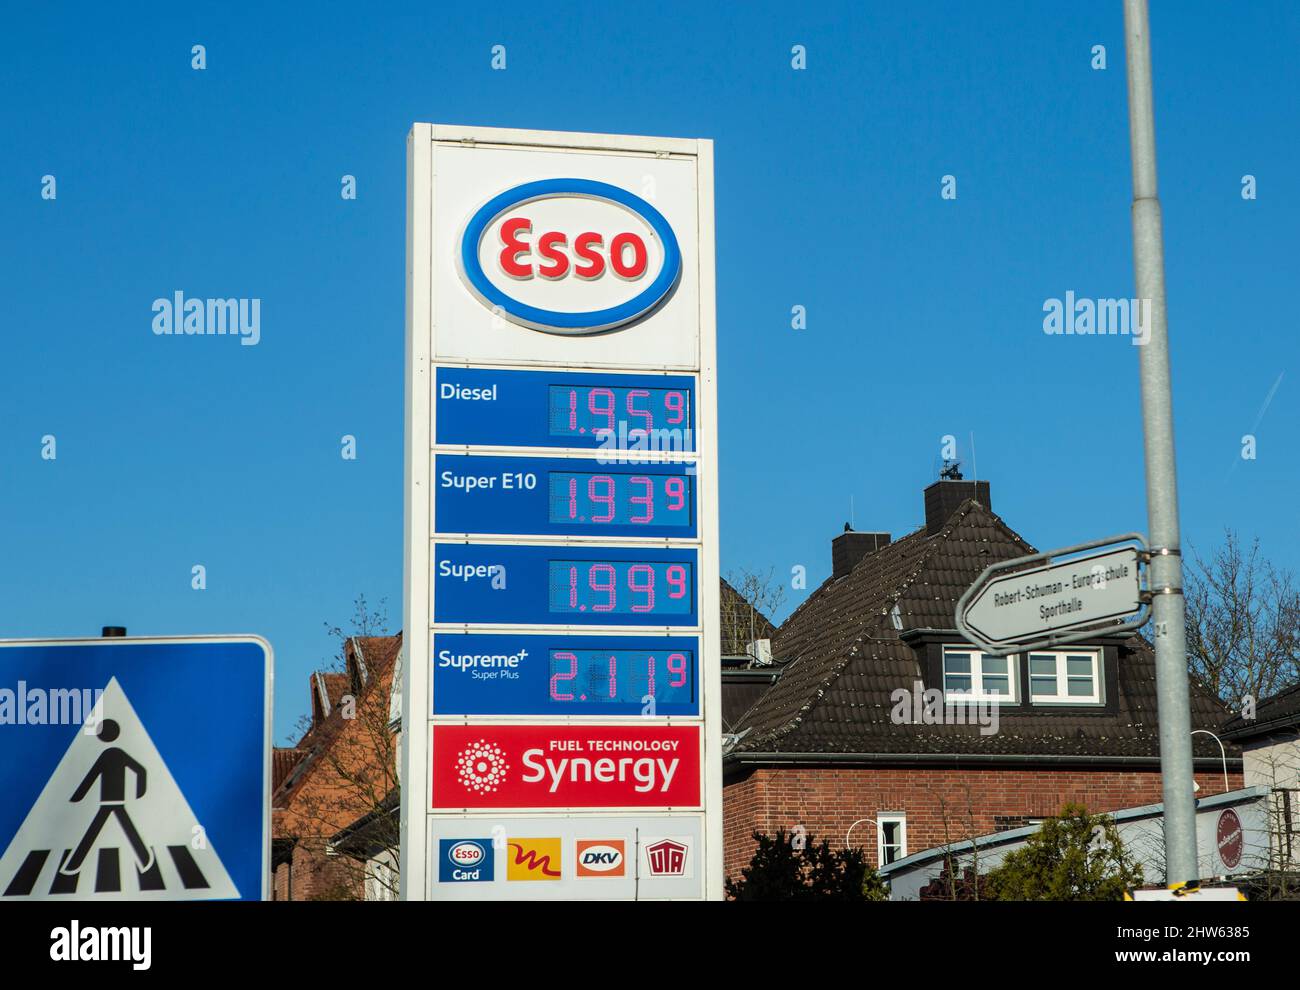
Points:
(843, 659)
(1277, 714)
(740, 689)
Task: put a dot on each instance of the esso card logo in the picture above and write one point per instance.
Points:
(466, 854)
(465, 860)
(601, 857)
(565, 766)
(569, 256)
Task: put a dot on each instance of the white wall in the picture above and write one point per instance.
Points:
(1272, 762)
(1143, 839)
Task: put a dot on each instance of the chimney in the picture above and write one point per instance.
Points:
(851, 546)
(944, 496)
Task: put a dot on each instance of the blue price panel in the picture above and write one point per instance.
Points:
(593, 586)
(547, 496)
(489, 407)
(518, 674)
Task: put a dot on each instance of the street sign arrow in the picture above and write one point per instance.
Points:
(1010, 608)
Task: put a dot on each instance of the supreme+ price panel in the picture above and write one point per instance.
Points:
(530, 674)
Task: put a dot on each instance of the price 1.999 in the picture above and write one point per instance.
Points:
(620, 587)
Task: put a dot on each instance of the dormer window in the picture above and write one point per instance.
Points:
(969, 674)
(1065, 677)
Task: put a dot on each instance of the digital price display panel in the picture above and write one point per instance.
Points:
(620, 676)
(554, 496)
(560, 674)
(620, 587)
(603, 410)
(499, 408)
(628, 498)
(570, 585)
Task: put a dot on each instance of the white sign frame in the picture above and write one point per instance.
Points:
(427, 276)
(1065, 632)
(268, 710)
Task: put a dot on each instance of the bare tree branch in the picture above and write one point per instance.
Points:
(1243, 623)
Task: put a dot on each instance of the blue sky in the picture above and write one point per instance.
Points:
(924, 315)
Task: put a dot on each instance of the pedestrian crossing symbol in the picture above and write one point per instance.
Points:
(111, 823)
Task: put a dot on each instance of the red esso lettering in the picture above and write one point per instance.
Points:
(618, 250)
(627, 256)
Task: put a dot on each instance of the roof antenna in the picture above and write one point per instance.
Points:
(950, 471)
(852, 519)
(974, 465)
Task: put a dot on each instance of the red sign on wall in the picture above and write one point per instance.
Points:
(1229, 839)
(565, 766)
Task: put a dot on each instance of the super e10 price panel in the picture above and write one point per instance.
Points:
(561, 497)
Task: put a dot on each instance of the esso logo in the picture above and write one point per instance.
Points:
(569, 256)
(466, 854)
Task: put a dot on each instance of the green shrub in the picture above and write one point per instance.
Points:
(796, 868)
(1072, 857)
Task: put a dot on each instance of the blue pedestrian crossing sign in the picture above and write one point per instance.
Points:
(135, 769)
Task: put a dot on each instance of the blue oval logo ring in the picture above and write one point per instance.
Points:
(559, 321)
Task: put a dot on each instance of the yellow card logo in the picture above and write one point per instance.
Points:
(533, 859)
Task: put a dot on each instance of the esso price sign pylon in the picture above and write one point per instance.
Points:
(560, 687)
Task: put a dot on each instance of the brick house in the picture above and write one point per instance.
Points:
(340, 770)
(833, 746)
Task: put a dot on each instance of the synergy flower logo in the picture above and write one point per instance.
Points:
(482, 767)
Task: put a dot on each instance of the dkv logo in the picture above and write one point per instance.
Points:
(601, 857)
(569, 256)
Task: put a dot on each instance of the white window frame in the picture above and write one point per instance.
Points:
(1063, 678)
(894, 818)
(381, 881)
(976, 693)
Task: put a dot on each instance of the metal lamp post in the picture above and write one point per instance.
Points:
(1166, 571)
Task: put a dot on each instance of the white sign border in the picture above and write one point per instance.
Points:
(417, 490)
(1068, 634)
(268, 714)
